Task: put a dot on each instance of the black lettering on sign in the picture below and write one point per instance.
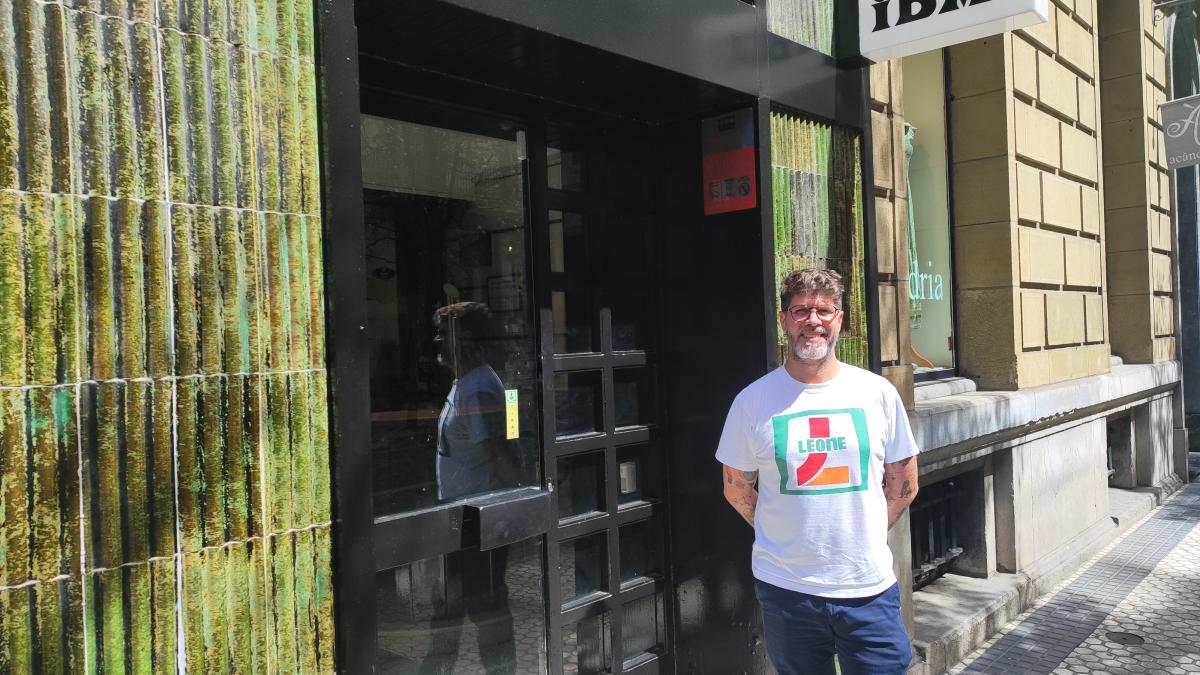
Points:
(909, 11)
(915, 10)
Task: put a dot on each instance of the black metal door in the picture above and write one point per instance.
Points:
(607, 588)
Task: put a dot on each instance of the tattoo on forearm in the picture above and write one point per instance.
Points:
(742, 492)
(906, 490)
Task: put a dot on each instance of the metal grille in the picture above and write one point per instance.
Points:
(934, 528)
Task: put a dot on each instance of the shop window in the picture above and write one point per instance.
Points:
(930, 278)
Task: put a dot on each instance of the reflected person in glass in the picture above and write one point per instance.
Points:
(473, 456)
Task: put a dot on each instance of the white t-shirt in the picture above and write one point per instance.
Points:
(820, 526)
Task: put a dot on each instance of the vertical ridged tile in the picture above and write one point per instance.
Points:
(319, 419)
(277, 294)
(92, 95)
(236, 318)
(101, 288)
(40, 290)
(101, 439)
(323, 599)
(194, 612)
(283, 602)
(306, 607)
(10, 134)
(241, 442)
(264, 31)
(91, 631)
(124, 125)
(131, 293)
(48, 615)
(162, 470)
(55, 494)
(110, 612)
(36, 144)
(156, 243)
(285, 26)
(309, 151)
(253, 227)
(68, 277)
(187, 329)
(238, 600)
(224, 139)
(242, 89)
(262, 622)
(302, 450)
(58, 81)
(14, 488)
(199, 124)
(146, 79)
(216, 652)
(212, 457)
(191, 480)
(16, 650)
(209, 299)
(267, 102)
(12, 291)
(137, 449)
(177, 115)
(278, 460)
(162, 604)
(139, 594)
(291, 157)
(299, 293)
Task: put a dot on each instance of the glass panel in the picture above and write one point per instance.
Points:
(583, 566)
(632, 396)
(577, 403)
(640, 550)
(643, 625)
(448, 321)
(930, 291)
(587, 646)
(568, 243)
(574, 323)
(631, 321)
(637, 471)
(564, 159)
(471, 612)
(580, 485)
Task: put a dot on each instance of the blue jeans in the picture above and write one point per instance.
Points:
(803, 632)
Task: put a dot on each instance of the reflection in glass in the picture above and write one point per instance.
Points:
(471, 612)
(449, 327)
(930, 292)
(587, 646)
(643, 626)
(639, 551)
(631, 395)
(564, 159)
(583, 566)
(568, 243)
(580, 485)
(574, 325)
(630, 321)
(577, 403)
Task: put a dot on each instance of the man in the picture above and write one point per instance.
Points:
(806, 449)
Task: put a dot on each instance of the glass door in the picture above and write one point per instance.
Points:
(460, 512)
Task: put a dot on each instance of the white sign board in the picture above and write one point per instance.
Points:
(889, 29)
(1181, 122)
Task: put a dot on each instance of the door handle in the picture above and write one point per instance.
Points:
(510, 516)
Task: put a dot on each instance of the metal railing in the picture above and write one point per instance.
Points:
(933, 523)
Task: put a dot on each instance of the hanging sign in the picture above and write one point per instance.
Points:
(889, 29)
(729, 171)
(1181, 124)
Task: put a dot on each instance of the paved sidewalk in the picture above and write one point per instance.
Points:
(1134, 609)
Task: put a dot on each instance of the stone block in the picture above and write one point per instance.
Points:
(1075, 45)
(881, 84)
(979, 126)
(1162, 316)
(977, 67)
(1037, 135)
(1125, 141)
(1033, 319)
(1029, 193)
(1156, 63)
(1160, 231)
(988, 336)
(1041, 256)
(885, 235)
(1129, 327)
(1085, 11)
(1165, 349)
(1161, 280)
(889, 336)
(1119, 17)
(1129, 273)
(1093, 308)
(1126, 229)
(1093, 222)
(1024, 66)
(1056, 86)
(983, 255)
(1060, 202)
(1079, 154)
(1087, 104)
(1122, 98)
(1084, 262)
(1126, 185)
(983, 190)
(1121, 55)
(897, 85)
(882, 147)
(1045, 33)
(1065, 320)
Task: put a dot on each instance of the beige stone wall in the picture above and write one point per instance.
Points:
(891, 224)
(1133, 81)
(1029, 227)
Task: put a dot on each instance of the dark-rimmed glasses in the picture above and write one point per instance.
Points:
(801, 313)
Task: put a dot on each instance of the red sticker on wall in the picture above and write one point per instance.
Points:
(730, 180)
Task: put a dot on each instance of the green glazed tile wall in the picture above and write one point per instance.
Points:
(808, 22)
(816, 183)
(164, 464)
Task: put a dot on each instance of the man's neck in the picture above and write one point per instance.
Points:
(813, 372)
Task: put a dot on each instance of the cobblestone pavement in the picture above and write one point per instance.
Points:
(1134, 609)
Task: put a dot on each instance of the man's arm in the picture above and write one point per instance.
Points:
(899, 486)
(741, 491)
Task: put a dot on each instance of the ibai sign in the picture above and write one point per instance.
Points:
(890, 29)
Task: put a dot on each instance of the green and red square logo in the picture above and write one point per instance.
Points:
(822, 451)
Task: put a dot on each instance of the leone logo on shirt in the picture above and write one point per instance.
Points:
(821, 452)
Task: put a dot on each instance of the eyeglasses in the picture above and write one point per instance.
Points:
(801, 313)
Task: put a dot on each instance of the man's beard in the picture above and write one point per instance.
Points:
(801, 350)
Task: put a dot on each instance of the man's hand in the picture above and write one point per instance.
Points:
(741, 491)
(899, 486)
